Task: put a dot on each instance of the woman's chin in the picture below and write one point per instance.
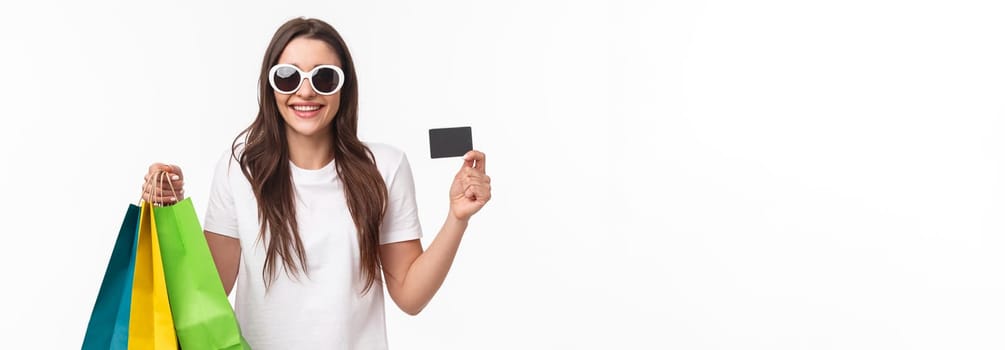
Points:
(312, 130)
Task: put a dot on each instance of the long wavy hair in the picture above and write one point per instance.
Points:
(265, 162)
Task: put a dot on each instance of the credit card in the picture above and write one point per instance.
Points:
(449, 142)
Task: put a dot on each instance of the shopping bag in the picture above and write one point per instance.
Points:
(109, 324)
(203, 316)
(150, 323)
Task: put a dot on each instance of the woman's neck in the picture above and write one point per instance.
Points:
(309, 152)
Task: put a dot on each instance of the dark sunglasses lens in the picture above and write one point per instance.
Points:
(325, 80)
(286, 79)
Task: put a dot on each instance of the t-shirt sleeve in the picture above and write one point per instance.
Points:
(401, 220)
(221, 214)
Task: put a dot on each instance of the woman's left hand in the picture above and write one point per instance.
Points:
(471, 189)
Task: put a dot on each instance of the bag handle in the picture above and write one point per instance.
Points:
(153, 190)
(160, 185)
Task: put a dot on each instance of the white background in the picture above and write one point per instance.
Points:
(695, 175)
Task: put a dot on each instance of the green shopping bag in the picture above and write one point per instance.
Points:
(108, 328)
(203, 316)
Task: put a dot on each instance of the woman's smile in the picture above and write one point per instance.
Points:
(306, 110)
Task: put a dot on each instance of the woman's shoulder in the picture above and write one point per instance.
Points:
(227, 158)
(389, 159)
(385, 153)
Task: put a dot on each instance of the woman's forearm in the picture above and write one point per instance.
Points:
(429, 270)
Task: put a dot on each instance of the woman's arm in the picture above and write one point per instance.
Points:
(227, 256)
(413, 276)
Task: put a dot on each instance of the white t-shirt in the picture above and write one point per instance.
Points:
(325, 311)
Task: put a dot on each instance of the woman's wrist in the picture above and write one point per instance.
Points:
(455, 221)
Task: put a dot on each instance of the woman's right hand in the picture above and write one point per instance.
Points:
(157, 188)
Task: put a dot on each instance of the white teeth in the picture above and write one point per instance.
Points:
(306, 108)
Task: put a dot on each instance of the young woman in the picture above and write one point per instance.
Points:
(305, 217)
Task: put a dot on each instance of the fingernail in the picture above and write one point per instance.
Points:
(174, 177)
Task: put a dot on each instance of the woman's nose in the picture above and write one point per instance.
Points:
(306, 90)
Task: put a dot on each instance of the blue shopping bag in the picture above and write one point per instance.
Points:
(109, 324)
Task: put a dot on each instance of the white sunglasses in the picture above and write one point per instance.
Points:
(325, 79)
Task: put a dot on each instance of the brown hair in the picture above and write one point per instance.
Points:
(265, 162)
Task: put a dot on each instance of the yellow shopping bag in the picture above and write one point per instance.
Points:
(150, 324)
